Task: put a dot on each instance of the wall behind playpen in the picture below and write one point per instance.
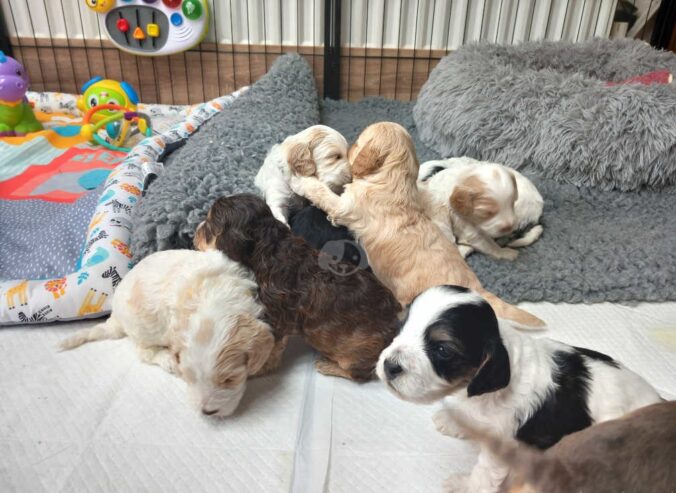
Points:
(387, 47)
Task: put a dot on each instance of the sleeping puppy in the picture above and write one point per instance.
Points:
(632, 453)
(388, 215)
(335, 243)
(484, 201)
(348, 319)
(195, 315)
(513, 385)
(323, 154)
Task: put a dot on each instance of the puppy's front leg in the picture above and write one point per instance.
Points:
(486, 477)
(477, 238)
(444, 423)
(319, 194)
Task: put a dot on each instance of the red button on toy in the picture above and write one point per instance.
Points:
(123, 25)
(172, 4)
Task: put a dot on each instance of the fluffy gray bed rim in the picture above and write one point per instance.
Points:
(224, 155)
(544, 107)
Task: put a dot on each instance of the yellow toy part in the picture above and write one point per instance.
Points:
(100, 6)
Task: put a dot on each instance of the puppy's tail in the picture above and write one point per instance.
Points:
(109, 329)
(521, 318)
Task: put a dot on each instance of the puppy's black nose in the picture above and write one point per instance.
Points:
(392, 369)
(209, 412)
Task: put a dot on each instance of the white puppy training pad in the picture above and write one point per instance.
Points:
(97, 419)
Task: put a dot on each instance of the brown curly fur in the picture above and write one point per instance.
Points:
(348, 319)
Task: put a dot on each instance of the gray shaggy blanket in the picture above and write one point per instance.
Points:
(544, 107)
(224, 155)
(597, 245)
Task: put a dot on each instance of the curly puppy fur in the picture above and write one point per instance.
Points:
(348, 319)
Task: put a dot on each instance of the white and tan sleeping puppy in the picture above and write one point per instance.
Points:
(484, 201)
(453, 348)
(323, 154)
(194, 314)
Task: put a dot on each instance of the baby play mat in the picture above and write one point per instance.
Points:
(55, 166)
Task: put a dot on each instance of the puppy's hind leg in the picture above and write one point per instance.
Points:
(110, 329)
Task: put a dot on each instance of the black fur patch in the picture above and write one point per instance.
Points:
(474, 342)
(565, 409)
(595, 355)
(433, 172)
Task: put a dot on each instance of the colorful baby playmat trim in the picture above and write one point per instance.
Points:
(106, 258)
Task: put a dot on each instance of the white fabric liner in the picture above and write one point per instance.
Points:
(97, 419)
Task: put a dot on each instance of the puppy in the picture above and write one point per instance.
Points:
(483, 201)
(195, 315)
(513, 385)
(387, 213)
(335, 243)
(348, 319)
(632, 453)
(319, 150)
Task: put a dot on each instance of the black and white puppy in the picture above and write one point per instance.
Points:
(510, 384)
(336, 244)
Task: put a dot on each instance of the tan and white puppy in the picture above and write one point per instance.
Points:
(483, 201)
(387, 213)
(194, 314)
(322, 152)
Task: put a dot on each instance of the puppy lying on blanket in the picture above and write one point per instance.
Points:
(387, 213)
(195, 315)
(632, 453)
(511, 384)
(483, 201)
(322, 152)
(349, 319)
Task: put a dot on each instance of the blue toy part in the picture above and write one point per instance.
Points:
(113, 129)
(91, 82)
(131, 93)
(3, 57)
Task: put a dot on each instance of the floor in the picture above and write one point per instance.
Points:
(96, 419)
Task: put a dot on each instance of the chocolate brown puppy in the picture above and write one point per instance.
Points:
(349, 319)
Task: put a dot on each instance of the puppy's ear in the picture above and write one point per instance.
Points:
(494, 372)
(366, 161)
(260, 344)
(235, 245)
(299, 158)
(462, 200)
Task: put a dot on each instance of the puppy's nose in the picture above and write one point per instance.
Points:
(392, 369)
(209, 412)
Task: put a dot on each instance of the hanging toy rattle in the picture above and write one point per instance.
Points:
(112, 106)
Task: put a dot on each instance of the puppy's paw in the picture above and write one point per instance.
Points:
(455, 483)
(508, 254)
(445, 425)
(465, 250)
(300, 184)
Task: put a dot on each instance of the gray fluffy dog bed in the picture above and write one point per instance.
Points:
(544, 107)
(224, 155)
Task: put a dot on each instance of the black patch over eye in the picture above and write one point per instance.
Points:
(441, 350)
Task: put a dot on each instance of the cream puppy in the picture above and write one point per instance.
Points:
(194, 314)
(483, 201)
(323, 154)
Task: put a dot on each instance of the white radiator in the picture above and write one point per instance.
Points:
(404, 24)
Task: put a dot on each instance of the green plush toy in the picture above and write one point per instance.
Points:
(16, 113)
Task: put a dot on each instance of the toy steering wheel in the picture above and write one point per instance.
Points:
(90, 130)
